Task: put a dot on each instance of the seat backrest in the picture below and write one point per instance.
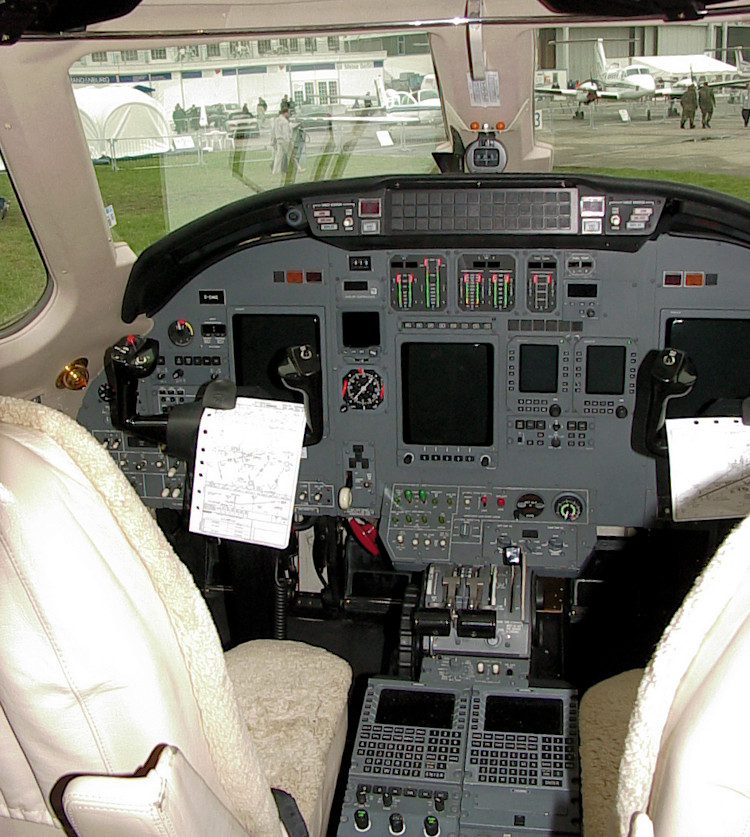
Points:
(685, 758)
(106, 646)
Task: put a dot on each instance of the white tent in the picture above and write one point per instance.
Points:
(685, 65)
(122, 122)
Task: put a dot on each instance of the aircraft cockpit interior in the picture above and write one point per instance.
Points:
(389, 380)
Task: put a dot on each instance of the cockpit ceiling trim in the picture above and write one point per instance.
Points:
(668, 9)
(55, 16)
(613, 15)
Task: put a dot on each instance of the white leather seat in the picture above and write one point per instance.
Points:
(107, 650)
(664, 751)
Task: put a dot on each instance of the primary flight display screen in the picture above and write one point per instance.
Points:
(403, 707)
(260, 341)
(719, 350)
(540, 716)
(447, 393)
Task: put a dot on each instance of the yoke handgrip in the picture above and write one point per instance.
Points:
(664, 374)
(299, 370)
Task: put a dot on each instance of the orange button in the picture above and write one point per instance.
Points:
(694, 279)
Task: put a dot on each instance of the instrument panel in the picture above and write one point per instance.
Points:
(479, 379)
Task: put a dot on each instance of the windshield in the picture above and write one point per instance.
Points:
(175, 131)
(613, 118)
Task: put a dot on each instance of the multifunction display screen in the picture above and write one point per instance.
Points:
(538, 369)
(360, 329)
(605, 370)
(447, 393)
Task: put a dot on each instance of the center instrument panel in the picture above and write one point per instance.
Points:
(479, 345)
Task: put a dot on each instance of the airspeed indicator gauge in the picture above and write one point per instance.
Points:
(362, 389)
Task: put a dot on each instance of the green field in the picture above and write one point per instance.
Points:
(729, 184)
(22, 275)
(150, 198)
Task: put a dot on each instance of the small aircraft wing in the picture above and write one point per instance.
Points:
(557, 91)
(396, 119)
(588, 92)
(674, 91)
(735, 82)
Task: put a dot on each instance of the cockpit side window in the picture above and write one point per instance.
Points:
(23, 276)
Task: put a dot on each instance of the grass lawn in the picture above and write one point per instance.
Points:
(730, 184)
(22, 274)
(149, 200)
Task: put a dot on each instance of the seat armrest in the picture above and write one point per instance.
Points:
(166, 797)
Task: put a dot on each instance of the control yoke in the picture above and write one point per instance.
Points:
(133, 358)
(299, 370)
(663, 374)
(125, 363)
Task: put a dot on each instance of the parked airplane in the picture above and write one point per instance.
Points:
(648, 77)
(355, 484)
(633, 82)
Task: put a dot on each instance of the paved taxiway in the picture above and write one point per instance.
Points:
(603, 139)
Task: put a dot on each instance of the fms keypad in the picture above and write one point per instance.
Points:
(478, 761)
(408, 752)
(522, 739)
(517, 759)
(411, 732)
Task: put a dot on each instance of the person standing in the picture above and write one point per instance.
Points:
(689, 102)
(706, 102)
(299, 139)
(745, 104)
(261, 107)
(281, 140)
